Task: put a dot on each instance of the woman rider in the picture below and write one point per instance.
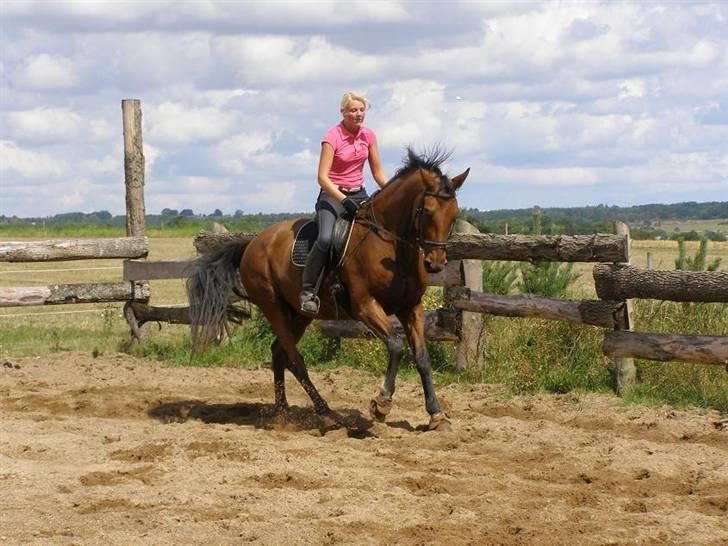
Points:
(344, 149)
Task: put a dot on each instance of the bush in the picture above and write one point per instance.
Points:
(550, 279)
(699, 261)
(499, 277)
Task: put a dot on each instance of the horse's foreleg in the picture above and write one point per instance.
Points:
(414, 326)
(377, 320)
(381, 405)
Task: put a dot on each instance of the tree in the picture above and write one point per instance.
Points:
(103, 215)
(169, 212)
(186, 212)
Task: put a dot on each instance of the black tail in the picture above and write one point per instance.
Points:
(214, 279)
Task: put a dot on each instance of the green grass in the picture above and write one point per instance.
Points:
(97, 332)
(83, 231)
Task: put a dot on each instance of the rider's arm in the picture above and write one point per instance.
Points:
(325, 162)
(375, 164)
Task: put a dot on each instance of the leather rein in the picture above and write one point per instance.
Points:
(420, 242)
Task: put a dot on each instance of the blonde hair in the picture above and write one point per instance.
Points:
(350, 96)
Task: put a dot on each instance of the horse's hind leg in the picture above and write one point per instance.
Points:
(288, 328)
(279, 360)
(381, 405)
(298, 326)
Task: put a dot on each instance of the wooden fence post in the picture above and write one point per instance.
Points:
(470, 349)
(625, 372)
(134, 181)
(133, 166)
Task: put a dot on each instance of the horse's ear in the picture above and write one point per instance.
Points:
(457, 181)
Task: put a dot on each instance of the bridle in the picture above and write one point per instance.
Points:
(428, 244)
(420, 212)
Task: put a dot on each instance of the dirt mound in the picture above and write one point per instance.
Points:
(117, 451)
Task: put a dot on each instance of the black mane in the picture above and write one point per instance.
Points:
(430, 160)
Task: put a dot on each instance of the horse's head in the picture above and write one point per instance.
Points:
(435, 215)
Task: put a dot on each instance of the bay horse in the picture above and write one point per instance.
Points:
(398, 236)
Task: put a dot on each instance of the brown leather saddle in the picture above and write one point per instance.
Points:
(306, 237)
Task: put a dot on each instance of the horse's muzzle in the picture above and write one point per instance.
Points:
(434, 267)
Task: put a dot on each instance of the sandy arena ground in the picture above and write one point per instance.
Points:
(117, 450)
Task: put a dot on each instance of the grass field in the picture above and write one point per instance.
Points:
(719, 225)
(526, 355)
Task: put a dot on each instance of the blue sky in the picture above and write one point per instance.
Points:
(549, 104)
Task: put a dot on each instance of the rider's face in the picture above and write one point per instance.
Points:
(354, 114)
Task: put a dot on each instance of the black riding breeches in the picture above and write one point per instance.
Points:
(328, 210)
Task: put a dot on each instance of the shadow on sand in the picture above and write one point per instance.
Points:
(259, 416)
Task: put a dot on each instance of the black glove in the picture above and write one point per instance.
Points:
(350, 205)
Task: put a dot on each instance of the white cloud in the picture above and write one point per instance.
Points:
(175, 123)
(232, 152)
(16, 161)
(634, 87)
(100, 130)
(276, 196)
(46, 71)
(421, 113)
(283, 60)
(45, 125)
(558, 177)
(170, 14)
(575, 101)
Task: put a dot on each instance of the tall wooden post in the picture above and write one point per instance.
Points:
(470, 349)
(625, 372)
(131, 112)
(133, 166)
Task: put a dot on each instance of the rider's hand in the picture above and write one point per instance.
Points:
(350, 205)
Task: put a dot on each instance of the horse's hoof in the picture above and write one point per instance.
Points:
(379, 410)
(440, 423)
(329, 421)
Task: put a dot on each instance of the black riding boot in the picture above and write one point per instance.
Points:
(315, 263)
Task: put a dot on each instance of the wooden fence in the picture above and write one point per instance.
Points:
(135, 245)
(616, 284)
(461, 320)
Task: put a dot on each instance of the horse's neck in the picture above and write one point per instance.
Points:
(396, 211)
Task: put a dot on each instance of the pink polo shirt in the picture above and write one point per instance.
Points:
(350, 153)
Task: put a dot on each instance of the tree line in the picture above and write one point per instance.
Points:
(645, 220)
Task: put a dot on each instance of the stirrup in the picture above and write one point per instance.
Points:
(310, 303)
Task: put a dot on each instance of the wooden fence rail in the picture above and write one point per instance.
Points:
(486, 246)
(697, 349)
(605, 314)
(74, 249)
(534, 248)
(58, 294)
(614, 282)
